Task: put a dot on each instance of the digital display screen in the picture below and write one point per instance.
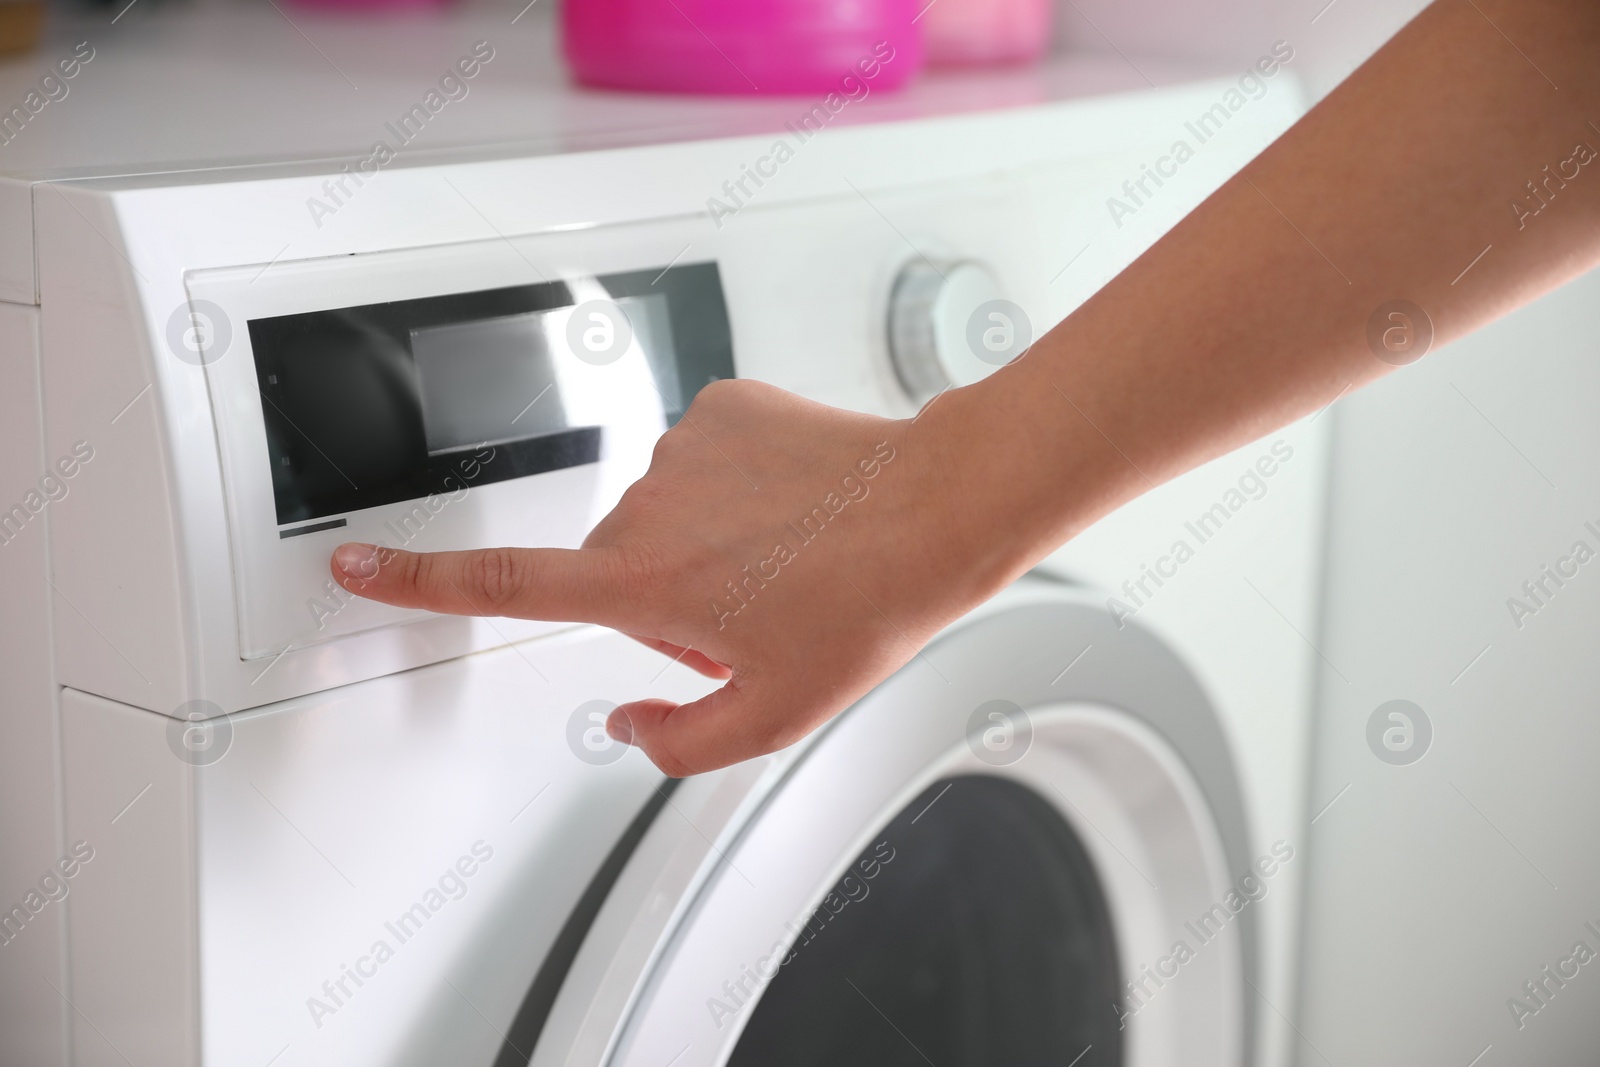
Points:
(490, 381)
(372, 405)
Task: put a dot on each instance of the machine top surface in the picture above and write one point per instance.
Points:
(168, 91)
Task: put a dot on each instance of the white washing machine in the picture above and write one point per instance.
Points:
(251, 821)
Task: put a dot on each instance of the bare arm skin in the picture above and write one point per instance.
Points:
(1250, 313)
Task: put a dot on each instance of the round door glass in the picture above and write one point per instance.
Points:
(972, 932)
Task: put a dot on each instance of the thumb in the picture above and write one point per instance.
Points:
(552, 584)
(725, 727)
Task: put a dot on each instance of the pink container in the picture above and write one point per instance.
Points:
(370, 5)
(977, 32)
(742, 46)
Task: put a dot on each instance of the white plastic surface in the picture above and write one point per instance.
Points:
(695, 909)
(285, 600)
(851, 209)
(1241, 609)
(1124, 794)
(1456, 481)
(236, 86)
(33, 1016)
(225, 896)
(142, 547)
(134, 929)
(968, 287)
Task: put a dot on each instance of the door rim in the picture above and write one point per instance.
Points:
(908, 733)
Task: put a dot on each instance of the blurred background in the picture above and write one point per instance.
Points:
(1344, 32)
(332, 43)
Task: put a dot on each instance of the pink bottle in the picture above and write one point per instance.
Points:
(742, 46)
(974, 32)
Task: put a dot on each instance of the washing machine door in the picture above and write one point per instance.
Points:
(998, 857)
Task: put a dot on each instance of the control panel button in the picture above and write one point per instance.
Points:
(937, 335)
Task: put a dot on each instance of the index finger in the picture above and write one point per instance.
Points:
(552, 584)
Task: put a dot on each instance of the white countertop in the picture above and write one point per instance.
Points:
(179, 89)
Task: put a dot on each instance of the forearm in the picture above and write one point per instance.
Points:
(1255, 309)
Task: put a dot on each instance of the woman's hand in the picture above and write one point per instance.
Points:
(797, 551)
(804, 553)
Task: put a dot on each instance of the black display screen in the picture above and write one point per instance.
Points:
(372, 405)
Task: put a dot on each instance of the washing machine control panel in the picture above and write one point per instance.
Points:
(366, 407)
